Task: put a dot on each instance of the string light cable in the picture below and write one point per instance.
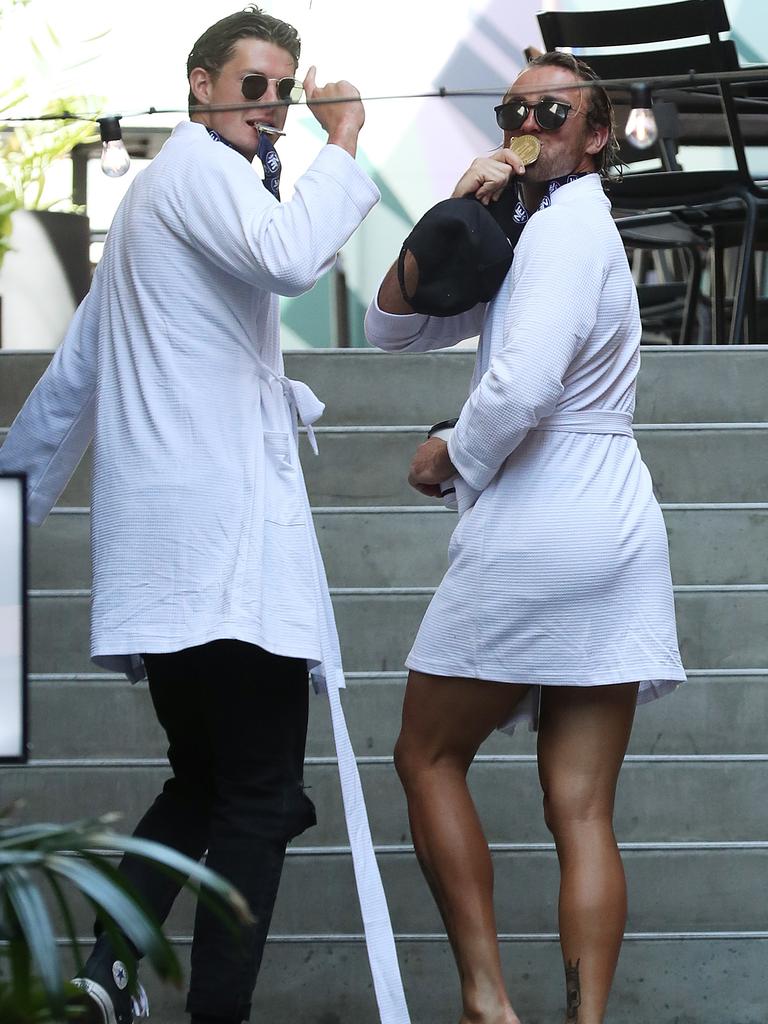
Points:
(641, 129)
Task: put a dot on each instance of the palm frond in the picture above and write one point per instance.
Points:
(67, 918)
(113, 901)
(35, 926)
(77, 855)
(200, 876)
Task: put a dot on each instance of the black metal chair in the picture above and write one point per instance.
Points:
(717, 207)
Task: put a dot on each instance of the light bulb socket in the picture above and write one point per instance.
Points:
(109, 129)
(640, 96)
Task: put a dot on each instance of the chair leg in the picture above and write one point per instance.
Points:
(752, 329)
(691, 296)
(718, 288)
(746, 263)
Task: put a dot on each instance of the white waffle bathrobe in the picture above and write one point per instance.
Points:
(201, 528)
(559, 572)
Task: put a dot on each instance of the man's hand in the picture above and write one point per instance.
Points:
(487, 177)
(342, 121)
(430, 466)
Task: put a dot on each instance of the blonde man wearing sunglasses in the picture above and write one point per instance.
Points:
(206, 570)
(556, 609)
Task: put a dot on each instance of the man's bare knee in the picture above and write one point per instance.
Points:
(407, 759)
(571, 807)
(415, 758)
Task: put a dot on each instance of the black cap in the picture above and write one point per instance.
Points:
(463, 251)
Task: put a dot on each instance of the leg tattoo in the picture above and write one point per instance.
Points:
(572, 992)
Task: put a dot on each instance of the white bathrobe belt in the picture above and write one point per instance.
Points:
(377, 925)
(584, 421)
(588, 421)
(302, 400)
(305, 403)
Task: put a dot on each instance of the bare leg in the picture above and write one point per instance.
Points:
(444, 722)
(583, 736)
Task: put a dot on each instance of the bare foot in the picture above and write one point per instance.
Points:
(503, 1015)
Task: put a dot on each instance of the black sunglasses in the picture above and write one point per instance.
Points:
(550, 114)
(254, 86)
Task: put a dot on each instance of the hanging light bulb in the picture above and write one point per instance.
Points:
(114, 156)
(641, 130)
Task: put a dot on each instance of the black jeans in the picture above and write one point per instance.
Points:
(236, 720)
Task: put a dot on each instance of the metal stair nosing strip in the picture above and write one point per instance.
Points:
(407, 849)
(330, 353)
(369, 510)
(421, 428)
(372, 677)
(703, 588)
(56, 763)
(439, 937)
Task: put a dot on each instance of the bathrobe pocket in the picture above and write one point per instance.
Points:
(282, 481)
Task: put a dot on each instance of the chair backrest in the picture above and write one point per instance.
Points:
(585, 31)
(686, 19)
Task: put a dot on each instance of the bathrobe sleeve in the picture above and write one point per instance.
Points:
(283, 248)
(553, 293)
(49, 436)
(416, 332)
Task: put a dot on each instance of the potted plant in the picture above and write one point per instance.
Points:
(52, 860)
(44, 238)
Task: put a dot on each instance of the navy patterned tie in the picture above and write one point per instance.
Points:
(271, 164)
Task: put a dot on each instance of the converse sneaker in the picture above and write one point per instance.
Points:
(105, 980)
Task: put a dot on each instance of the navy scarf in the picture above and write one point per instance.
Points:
(270, 161)
(521, 215)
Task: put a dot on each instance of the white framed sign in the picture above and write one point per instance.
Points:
(13, 618)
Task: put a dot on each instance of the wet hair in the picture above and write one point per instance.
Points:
(217, 44)
(600, 111)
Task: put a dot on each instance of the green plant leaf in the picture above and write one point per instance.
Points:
(17, 857)
(180, 863)
(56, 836)
(67, 918)
(74, 854)
(32, 917)
(110, 895)
(165, 962)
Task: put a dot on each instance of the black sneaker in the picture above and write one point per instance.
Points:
(105, 980)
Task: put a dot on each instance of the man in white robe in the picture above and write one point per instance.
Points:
(557, 604)
(206, 569)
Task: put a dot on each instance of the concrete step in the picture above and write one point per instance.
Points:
(711, 714)
(665, 885)
(697, 384)
(718, 627)
(715, 463)
(675, 385)
(318, 980)
(368, 466)
(408, 546)
(661, 799)
(706, 900)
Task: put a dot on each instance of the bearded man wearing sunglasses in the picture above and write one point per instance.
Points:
(206, 570)
(557, 607)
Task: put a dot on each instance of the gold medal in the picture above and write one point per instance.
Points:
(527, 147)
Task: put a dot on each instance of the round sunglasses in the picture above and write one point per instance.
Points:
(255, 85)
(549, 113)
